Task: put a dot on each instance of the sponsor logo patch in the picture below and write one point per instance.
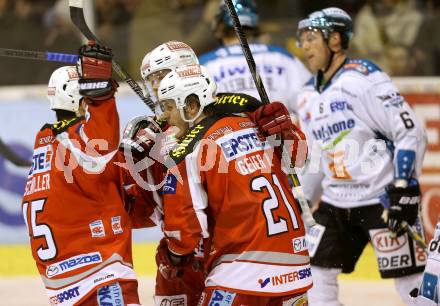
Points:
(170, 185)
(73, 263)
(326, 132)
(41, 160)
(340, 106)
(286, 278)
(97, 229)
(182, 146)
(64, 296)
(240, 143)
(299, 244)
(189, 71)
(110, 295)
(176, 45)
(221, 298)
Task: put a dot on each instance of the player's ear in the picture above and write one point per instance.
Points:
(335, 42)
(192, 105)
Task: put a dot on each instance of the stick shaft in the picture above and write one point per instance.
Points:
(77, 16)
(40, 55)
(297, 189)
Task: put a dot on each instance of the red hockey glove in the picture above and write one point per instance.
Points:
(95, 71)
(169, 265)
(274, 119)
(140, 136)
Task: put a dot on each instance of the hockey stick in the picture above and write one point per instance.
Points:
(14, 158)
(299, 193)
(77, 16)
(40, 55)
(414, 235)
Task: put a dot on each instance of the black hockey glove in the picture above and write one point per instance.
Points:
(404, 205)
(95, 72)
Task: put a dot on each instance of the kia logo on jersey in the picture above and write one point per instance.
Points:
(383, 241)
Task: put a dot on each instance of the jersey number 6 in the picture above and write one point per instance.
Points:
(40, 230)
(274, 227)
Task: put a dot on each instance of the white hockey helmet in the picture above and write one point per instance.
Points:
(63, 89)
(166, 56)
(185, 81)
(169, 55)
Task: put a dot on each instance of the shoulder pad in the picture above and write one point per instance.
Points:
(63, 125)
(362, 66)
(235, 103)
(186, 144)
(281, 50)
(210, 56)
(310, 82)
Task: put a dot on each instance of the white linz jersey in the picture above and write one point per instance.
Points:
(283, 75)
(361, 133)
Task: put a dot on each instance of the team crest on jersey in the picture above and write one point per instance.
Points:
(116, 225)
(97, 229)
(391, 98)
(171, 300)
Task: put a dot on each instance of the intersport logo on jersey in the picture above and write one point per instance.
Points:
(286, 278)
(73, 263)
(66, 295)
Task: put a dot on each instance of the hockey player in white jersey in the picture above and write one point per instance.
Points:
(281, 73)
(371, 148)
(428, 294)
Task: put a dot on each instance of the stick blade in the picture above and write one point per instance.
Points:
(77, 15)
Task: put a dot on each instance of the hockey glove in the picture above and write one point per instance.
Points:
(170, 265)
(404, 201)
(95, 71)
(274, 119)
(141, 136)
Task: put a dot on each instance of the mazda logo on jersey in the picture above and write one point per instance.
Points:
(73, 263)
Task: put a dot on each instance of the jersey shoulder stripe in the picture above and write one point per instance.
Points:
(62, 125)
(186, 145)
(362, 66)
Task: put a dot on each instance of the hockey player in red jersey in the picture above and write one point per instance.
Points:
(138, 142)
(73, 204)
(230, 191)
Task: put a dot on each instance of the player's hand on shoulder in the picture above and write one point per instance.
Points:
(404, 201)
(95, 72)
(274, 119)
(144, 136)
